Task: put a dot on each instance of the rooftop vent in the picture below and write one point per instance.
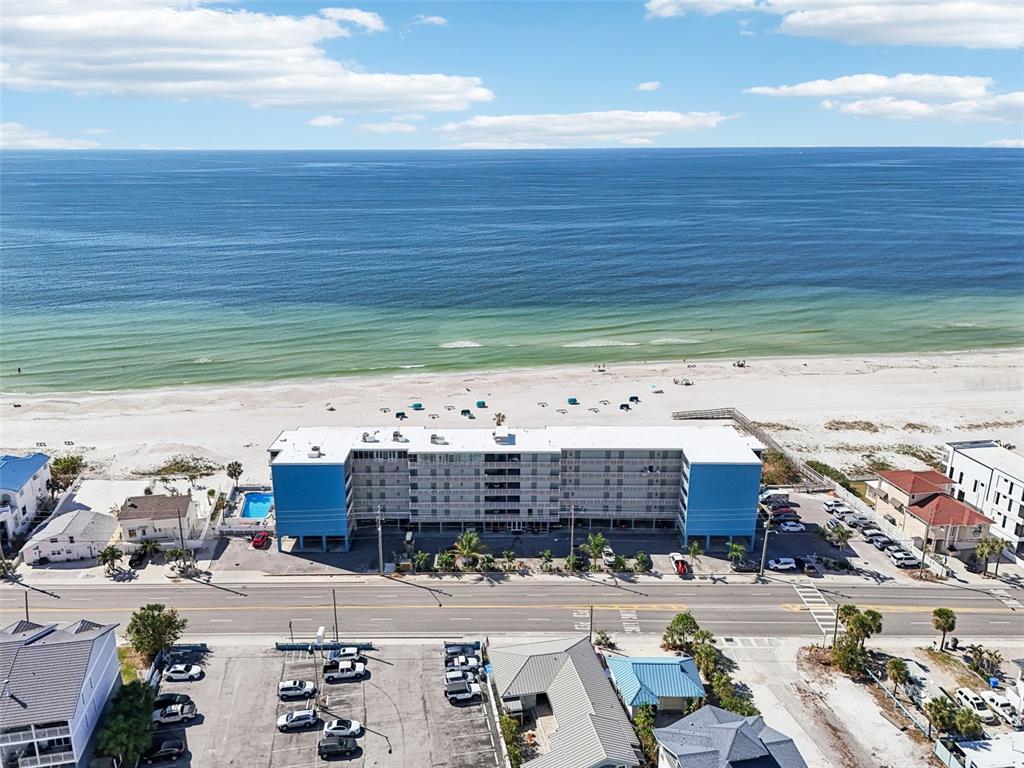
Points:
(369, 438)
(438, 439)
(398, 437)
(314, 452)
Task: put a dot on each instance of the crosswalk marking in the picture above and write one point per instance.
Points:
(821, 611)
(629, 621)
(1004, 597)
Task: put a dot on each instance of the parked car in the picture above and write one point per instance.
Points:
(834, 524)
(791, 527)
(463, 663)
(968, 699)
(336, 746)
(342, 727)
(178, 672)
(782, 564)
(743, 566)
(168, 699)
(457, 692)
(843, 512)
(297, 720)
(176, 713)
(295, 689)
(831, 504)
(459, 676)
(165, 749)
(261, 540)
(869, 533)
(336, 671)
(903, 559)
(857, 521)
(882, 542)
(1002, 707)
(348, 653)
(679, 564)
(458, 650)
(608, 556)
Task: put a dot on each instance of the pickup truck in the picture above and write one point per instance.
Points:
(337, 671)
(175, 713)
(462, 664)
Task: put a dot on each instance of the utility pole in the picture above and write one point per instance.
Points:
(591, 633)
(380, 539)
(26, 605)
(334, 600)
(764, 547)
(291, 634)
(572, 535)
(835, 628)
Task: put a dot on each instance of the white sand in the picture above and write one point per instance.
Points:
(125, 432)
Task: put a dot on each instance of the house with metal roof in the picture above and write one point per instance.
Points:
(56, 683)
(24, 484)
(668, 683)
(715, 738)
(155, 516)
(562, 686)
(74, 536)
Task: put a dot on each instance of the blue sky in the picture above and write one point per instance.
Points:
(172, 73)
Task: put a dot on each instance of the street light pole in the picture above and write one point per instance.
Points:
(334, 600)
(572, 536)
(764, 547)
(380, 539)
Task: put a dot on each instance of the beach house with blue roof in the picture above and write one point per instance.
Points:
(24, 484)
(668, 683)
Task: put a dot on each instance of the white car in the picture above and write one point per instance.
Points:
(871, 533)
(832, 504)
(295, 689)
(459, 676)
(968, 699)
(791, 527)
(182, 672)
(782, 564)
(903, 559)
(343, 728)
(457, 692)
(179, 713)
(349, 653)
(345, 670)
(463, 664)
(1002, 707)
(297, 720)
(608, 556)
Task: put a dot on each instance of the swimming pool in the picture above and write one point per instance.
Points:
(257, 504)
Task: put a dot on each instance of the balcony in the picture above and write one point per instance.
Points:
(27, 735)
(64, 757)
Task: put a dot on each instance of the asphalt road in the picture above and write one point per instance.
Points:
(374, 607)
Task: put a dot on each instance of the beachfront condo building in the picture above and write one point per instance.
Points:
(990, 478)
(701, 481)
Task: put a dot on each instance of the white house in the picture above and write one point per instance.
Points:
(74, 536)
(56, 684)
(990, 478)
(24, 484)
(164, 518)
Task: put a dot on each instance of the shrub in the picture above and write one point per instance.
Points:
(778, 469)
(510, 734)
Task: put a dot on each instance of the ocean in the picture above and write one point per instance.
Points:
(134, 269)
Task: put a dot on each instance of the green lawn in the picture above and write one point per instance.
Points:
(127, 659)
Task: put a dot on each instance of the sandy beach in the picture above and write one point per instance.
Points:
(897, 409)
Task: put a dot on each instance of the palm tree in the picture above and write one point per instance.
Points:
(109, 557)
(499, 419)
(988, 546)
(705, 656)
(967, 723)
(943, 620)
(704, 636)
(545, 560)
(510, 558)
(469, 547)
(991, 660)
(695, 550)
(421, 561)
(976, 652)
(175, 555)
(841, 536)
(940, 713)
(234, 471)
(149, 547)
(446, 561)
(487, 563)
(896, 670)
(736, 552)
(596, 542)
(6, 568)
(619, 564)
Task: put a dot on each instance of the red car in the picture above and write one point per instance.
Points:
(261, 540)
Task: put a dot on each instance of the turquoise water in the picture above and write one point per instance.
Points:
(146, 269)
(257, 505)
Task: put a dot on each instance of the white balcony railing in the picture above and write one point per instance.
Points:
(66, 757)
(27, 735)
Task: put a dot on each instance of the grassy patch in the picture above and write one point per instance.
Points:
(829, 471)
(994, 424)
(185, 466)
(838, 425)
(964, 677)
(129, 664)
(913, 426)
(775, 426)
(933, 457)
(778, 469)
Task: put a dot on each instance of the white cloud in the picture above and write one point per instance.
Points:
(368, 20)
(965, 23)
(574, 129)
(1003, 108)
(409, 117)
(392, 127)
(907, 97)
(18, 136)
(1008, 143)
(429, 21)
(96, 131)
(920, 86)
(650, 85)
(326, 121)
(181, 50)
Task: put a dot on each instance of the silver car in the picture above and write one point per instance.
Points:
(297, 720)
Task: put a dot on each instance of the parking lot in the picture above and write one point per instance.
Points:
(407, 719)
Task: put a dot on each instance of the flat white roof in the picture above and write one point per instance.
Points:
(993, 455)
(719, 443)
(1004, 750)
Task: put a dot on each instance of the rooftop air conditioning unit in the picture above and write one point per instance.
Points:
(314, 452)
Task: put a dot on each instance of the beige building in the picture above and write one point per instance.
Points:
(921, 505)
(164, 518)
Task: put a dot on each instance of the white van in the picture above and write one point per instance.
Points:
(968, 699)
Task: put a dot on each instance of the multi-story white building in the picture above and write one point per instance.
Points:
(990, 478)
(702, 481)
(56, 683)
(24, 485)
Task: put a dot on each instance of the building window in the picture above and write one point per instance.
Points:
(131, 534)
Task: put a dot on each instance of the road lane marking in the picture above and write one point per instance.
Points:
(380, 618)
(213, 620)
(538, 619)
